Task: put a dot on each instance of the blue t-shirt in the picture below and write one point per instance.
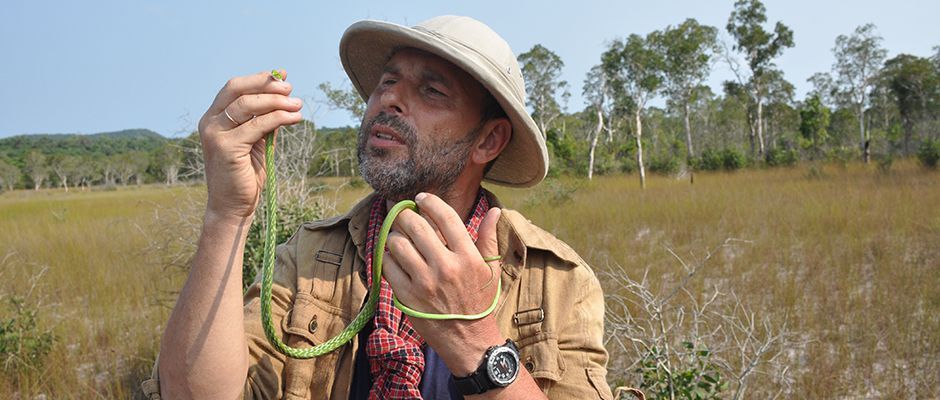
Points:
(436, 381)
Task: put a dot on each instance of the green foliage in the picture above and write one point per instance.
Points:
(929, 153)
(758, 45)
(341, 99)
(542, 71)
(9, 175)
(814, 119)
(780, 156)
(728, 159)
(24, 344)
(84, 157)
(290, 217)
(914, 84)
(694, 377)
(664, 164)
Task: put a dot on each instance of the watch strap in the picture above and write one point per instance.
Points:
(479, 381)
(476, 383)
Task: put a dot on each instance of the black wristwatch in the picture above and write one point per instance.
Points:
(499, 368)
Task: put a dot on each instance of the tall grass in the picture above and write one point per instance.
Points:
(849, 256)
(99, 292)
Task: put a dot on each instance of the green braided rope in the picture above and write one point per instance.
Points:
(267, 275)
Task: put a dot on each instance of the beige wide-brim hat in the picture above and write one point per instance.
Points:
(474, 47)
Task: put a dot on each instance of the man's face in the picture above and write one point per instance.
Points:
(420, 125)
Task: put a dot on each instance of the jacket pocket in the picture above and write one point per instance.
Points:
(539, 355)
(314, 320)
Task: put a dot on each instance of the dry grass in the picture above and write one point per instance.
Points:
(99, 292)
(850, 255)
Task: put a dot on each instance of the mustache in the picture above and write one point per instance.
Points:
(402, 128)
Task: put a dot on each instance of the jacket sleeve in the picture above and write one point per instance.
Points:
(581, 342)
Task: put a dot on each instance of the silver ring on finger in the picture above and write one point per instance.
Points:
(229, 116)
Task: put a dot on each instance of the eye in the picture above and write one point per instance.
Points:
(435, 92)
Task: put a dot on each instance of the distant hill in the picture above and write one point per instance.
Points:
(93, 145)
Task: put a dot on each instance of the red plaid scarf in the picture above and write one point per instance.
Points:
(394, 348)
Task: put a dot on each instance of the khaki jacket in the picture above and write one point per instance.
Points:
(551, 305)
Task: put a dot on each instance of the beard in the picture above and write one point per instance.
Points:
(428, 165)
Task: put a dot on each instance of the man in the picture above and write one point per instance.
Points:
(445, 112)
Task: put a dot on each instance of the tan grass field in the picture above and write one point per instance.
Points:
(849, 258)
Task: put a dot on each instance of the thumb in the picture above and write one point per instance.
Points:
(486, 241)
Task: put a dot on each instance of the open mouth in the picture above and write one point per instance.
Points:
(386, 135)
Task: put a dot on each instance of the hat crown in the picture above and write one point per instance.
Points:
(477, 37)
(479, 51)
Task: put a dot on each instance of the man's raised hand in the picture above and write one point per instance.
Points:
(232, 133)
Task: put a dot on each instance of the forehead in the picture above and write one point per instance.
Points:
(431, 66)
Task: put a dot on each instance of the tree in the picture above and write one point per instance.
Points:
(349, 100)
(542, 71)
(759, 48)
(824, 87)
(688, 50)
(85, 173)
(858, 58)
(914, 84)
(596, 91)
(169, 159)
(37, 168)
(63, 166)
(814, 118)
(9, 174)
(634, 70)
(130, 165)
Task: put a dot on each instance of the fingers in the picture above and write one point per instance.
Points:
(261, 82)
(243, 98)
(402, 262)
(446, 220)
(486, 241)
(246, 107)
(415, 229)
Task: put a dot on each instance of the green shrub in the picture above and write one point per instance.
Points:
(781, 157)
(23, 343)
(664, 164)
(732, 159)
(929, 153)
(290, 217)
(728, 159)
(694, 377)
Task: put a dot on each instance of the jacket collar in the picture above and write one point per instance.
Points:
(515, 234)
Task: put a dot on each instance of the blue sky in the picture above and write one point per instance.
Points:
(94, 66)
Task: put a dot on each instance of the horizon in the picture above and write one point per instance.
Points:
(122, 50)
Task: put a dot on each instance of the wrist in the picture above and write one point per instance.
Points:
(215, 218)
(464, 354)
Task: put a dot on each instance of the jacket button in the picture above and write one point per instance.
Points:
(529, 364)
(312, 327)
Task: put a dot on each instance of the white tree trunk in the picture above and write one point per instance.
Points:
(760, 127)
(688, 132)
(639, 149)
(597, 133)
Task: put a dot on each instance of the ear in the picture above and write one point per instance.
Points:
(495, 137)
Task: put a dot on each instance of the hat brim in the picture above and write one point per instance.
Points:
(366, 47)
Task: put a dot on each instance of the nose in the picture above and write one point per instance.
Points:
(392, 97)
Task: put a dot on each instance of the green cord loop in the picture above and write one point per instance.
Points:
(267, 275)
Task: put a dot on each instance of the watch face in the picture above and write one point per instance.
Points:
(503, 366)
